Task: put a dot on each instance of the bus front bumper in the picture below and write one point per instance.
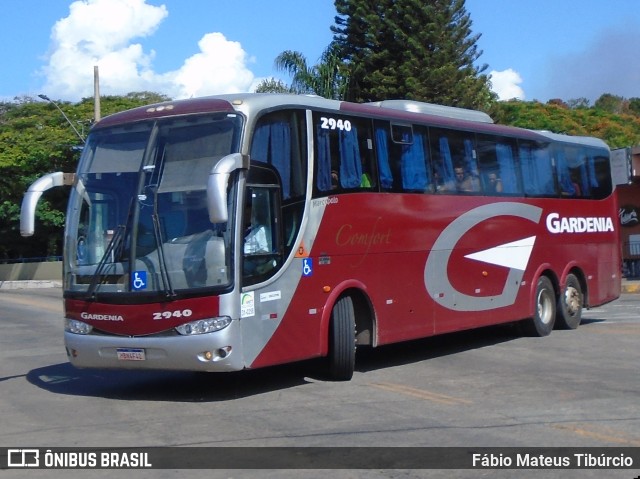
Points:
(217, 351)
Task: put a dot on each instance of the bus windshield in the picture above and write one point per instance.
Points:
(138, 219)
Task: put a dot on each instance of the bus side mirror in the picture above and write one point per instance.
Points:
(33, 194)
(217, 185)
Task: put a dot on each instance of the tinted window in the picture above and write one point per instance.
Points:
(455, 162)
(499, 168)
(343, 154)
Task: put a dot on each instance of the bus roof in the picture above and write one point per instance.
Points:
(393, 110)
(432, 109)
(580, 140)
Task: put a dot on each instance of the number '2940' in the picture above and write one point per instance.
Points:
(185, 313)
(333, 124)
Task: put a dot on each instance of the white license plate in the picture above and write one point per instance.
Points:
(130, 354)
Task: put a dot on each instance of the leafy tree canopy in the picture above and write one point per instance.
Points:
(614, 121)
(411, 49)
(36, 139)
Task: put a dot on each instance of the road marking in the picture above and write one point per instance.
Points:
(420, 393)
(603, 434)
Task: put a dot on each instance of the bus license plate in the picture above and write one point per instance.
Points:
(129, 354)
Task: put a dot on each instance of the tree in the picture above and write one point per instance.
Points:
(36, 139)
(617, 130)
(271, 85)
(634, 106)
(411, 49)
(326, 79)
(610, 103)
(576, 103)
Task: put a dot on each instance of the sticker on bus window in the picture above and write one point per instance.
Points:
(138, 280)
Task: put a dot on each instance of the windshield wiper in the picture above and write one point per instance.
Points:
(113, 245)
(164, 276)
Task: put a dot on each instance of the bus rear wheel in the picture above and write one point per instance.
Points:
(342, 340)
(570, 304)
(545, 310)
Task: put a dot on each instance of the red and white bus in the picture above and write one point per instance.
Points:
(243, 231)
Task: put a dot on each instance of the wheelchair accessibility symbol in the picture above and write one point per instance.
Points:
(307, 267)
(138, 280)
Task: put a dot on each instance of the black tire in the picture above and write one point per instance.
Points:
(570, 304)
(545, 310)
(342, 340)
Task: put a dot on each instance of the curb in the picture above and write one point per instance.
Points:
(30, 284)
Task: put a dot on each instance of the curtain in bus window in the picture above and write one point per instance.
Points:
(350, 164)
(123, 158)
(470, 163)
(544, 170)
(527, 163)
(272, 145)
(414, 171)
(445, 169)
(281, 154)
(386, 178)
(536, 171)
(504, 154)
(591, 165)
(260, 145)
(323, 180)
(585, 184)
(189, 154)
(564, 176)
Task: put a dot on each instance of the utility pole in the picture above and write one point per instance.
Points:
(96, 94)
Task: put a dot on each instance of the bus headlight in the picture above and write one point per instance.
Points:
(203, 326)
(77, 327)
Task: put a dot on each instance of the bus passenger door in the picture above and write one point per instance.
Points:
(262, 245)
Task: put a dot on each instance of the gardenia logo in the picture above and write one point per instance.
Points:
(556, 224)
(102, 317)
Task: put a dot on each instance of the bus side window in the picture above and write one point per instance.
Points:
(279, 140)
(343, 148)
(566, 177)
(262, 238)
(455, 163)
(382, 153)
(537, 170)
(576, 179)
(599, 174)
(413, 164)
(499, 169)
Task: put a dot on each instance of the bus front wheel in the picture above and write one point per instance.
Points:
(570, 304)
(545, 309)
(342, 340)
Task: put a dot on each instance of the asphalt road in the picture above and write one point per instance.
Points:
(484, 388)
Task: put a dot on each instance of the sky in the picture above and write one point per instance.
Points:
(533, 49)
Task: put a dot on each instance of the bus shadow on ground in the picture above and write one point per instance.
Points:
(399, 354)
(181, 386)
(176, 386)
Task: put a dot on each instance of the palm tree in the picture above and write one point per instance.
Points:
(327, 79)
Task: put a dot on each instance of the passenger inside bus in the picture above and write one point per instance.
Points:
(257, 248)
(493, 185)
(466, 182)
